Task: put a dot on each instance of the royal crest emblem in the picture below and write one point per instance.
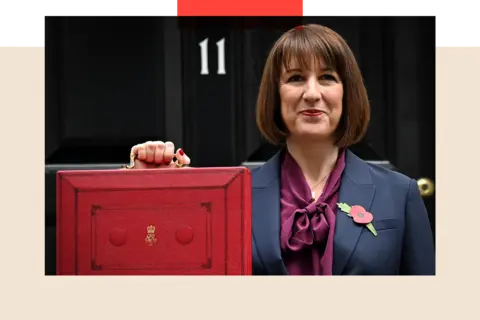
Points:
(150, 239)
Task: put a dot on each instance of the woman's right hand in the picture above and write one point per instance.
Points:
(158, 154)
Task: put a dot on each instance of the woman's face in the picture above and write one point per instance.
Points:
(311, 101)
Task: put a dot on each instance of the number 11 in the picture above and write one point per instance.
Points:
(204, 56)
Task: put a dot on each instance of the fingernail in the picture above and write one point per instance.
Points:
(181, 152)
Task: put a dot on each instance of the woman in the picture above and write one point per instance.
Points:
(313, 202)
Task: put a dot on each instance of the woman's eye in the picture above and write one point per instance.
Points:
(325, 77)
(295, 78)
(328, 77)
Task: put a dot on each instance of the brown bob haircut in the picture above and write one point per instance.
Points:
(300, 44)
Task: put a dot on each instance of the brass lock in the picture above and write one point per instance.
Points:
(426, 187)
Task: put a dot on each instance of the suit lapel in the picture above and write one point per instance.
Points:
(356, 189)
(266, 215)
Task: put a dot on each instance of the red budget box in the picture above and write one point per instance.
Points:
(154, 222)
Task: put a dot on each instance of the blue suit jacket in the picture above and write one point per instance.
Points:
(404, 245)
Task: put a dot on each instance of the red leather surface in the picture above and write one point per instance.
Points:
(154, 222)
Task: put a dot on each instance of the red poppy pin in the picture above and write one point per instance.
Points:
(359, 215)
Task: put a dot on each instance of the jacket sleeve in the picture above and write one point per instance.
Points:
(418, 253)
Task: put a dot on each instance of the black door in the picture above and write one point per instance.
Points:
(105, 87)
(222, 63)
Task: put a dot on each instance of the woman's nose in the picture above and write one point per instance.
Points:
(312, 90)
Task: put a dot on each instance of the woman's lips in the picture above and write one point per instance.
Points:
(312, 113)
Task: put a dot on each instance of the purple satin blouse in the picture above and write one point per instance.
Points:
(307, 227)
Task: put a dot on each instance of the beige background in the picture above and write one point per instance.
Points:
(27, 294)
